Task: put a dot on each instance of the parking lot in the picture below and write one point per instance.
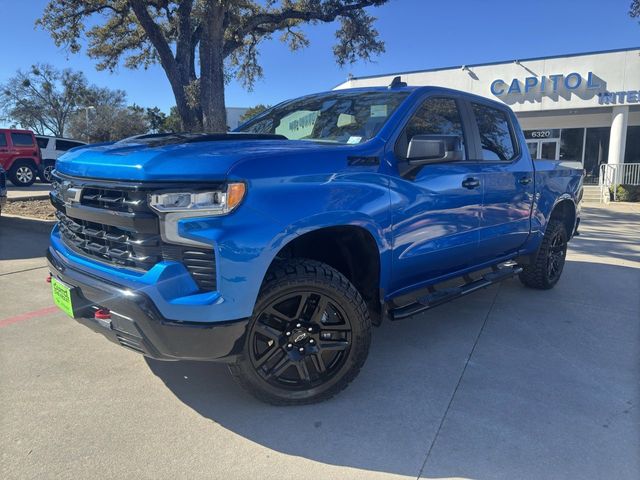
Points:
(505, 383)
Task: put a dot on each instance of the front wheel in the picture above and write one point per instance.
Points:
(545, 271)
(308, 337)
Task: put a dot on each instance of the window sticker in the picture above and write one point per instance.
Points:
(353, 140)
(378, 111)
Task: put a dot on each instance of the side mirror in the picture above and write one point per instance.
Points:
(424, 149)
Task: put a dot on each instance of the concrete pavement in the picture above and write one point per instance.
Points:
(505, 383)
(37, 191)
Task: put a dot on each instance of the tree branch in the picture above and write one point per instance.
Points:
(267, 22)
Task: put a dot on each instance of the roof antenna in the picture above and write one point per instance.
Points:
(397, 83)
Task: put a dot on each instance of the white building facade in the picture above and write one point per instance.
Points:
(583, 107)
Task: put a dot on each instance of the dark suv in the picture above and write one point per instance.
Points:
(3, 188)
(20, 156)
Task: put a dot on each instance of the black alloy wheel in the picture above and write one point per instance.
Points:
(308, 338)
(546, 268)
(300, 340)
(556, 256)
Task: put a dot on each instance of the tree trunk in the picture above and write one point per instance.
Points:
(187, 114)
(178, 80)
(214, 116)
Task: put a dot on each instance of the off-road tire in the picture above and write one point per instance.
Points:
(302, 275)
(15, 173)
(537, 273)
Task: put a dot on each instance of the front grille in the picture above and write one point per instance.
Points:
(110, 199)
(111, 244)
(114, 224)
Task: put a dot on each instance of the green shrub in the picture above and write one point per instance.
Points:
(628, 193)
(622, 195)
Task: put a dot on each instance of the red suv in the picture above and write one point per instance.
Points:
(20, 156)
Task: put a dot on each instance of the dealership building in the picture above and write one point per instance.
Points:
(583, 107)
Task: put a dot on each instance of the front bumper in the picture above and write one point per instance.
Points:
(137, 324)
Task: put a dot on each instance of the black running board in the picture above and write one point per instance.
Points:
(438, 297)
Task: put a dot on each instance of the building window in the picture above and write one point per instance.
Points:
(632, 150)
(571, 141)
(596, 152)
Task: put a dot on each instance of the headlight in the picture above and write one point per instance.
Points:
(173, 207)
(204, 203)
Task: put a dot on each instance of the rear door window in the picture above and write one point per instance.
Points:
(3, 139)
(21, 139)
(496, 134)
(64, 145)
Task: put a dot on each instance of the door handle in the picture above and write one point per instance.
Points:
(524, 181)
(471, 183)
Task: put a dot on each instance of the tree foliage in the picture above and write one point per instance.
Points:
(43, 98)
(63, 103)
(108, 123)
(201, 44)
(253, 111)
(173, 122)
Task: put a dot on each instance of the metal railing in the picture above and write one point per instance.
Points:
(614, 174)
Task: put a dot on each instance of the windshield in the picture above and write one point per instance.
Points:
(335, 117)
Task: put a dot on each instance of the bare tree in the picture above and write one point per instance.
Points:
(43, 98)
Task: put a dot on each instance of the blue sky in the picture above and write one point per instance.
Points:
(419, 34)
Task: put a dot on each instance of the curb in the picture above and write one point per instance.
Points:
(28, 223)
(41, 196)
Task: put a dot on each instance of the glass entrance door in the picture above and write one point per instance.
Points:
(544, 149)
(549, 149)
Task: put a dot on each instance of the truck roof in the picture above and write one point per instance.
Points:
(415, 88)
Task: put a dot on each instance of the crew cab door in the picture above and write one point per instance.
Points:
(508, 178)
(435, 206)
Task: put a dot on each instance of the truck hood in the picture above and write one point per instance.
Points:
(142, 160)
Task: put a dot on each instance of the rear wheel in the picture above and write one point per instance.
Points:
(22, 173)
(47, 171)
(545, 271)
(308, 338)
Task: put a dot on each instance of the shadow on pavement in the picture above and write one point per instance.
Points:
(384, 421)
(540, 380)
(23, 238)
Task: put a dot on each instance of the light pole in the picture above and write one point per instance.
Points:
(86, 118)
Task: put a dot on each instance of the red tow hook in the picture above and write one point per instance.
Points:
(102, 314)
(48, 279)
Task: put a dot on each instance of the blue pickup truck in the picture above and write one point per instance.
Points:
(276, 247)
